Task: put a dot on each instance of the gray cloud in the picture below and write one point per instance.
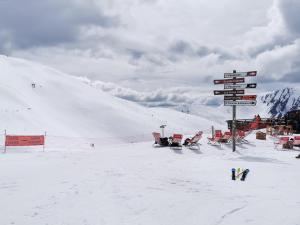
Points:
(161, 97)
(294, 75)
(48, 22)
(182, 48)
(278, 41)
(197, 45)
(290, 11)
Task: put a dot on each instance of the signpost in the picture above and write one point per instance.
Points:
(235, 96)
(239, 86)
(240, 74)
(239, 103)
(240, 97)
(229, 92)
(230, 81)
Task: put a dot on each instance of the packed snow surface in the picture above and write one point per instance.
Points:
(139, 184)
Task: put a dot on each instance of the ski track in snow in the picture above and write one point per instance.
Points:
(231, 212)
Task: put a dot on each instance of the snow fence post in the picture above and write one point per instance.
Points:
(4, 141)
(44, 141)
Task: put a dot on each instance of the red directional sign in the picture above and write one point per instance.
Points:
(240, 74)
(241, 97)
(230, 81)
(229, 92)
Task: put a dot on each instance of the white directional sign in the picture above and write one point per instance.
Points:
(240, 103)
(240, 74)
(239, 86)
(230, 81)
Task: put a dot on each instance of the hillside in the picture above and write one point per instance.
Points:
(64, 106)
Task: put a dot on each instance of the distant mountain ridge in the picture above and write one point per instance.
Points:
(281, 101)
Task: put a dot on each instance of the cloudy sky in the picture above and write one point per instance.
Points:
(149, 44)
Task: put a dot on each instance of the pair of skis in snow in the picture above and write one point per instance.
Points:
(239, 174)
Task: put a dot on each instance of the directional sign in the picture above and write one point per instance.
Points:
(240, 103)
(241, 97)
(229, 92)
(239, 86)
(240, 74)
(230, 81)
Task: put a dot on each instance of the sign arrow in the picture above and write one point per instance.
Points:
(230, 81)
(240, 97)
(240, 103)
(240, 74)
(239, 86)
(229, 92)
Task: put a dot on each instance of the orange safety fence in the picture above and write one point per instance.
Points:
(13, 140)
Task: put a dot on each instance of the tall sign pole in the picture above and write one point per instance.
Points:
(234, 95)
(234, 121)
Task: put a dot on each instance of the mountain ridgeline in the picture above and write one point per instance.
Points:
(282, 101)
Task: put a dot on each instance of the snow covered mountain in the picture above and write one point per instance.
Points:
(281, 101)
(65, 106)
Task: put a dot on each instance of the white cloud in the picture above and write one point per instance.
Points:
(161, 43)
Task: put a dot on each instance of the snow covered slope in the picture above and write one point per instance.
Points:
(63, 105)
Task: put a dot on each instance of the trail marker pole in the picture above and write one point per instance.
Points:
(234, 121)
(44, 141)
(234, 90)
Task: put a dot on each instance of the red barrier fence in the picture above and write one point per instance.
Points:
(24, 140)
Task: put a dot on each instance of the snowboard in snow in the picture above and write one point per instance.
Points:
(233, 173)
(244, 175)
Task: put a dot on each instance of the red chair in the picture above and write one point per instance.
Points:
(216, 139)
(176, 140)
(281, 141)
(194, 140)
(158, 140)
(296, 141)
(241, 136)
(227, 137)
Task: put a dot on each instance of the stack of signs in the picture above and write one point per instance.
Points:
(234, 89)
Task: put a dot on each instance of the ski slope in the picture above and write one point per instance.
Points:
(68, 109)
(138, 184)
